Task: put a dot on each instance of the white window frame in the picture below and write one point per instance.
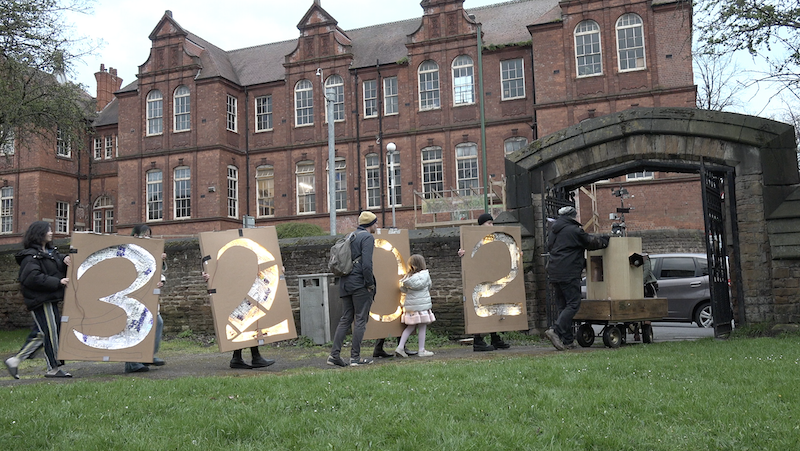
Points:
(511, 145)
(429, 88)
(393, 183)
(644, 175)
(155, 195)
(432, 168)
(463, 80)
(372, 173)
(467, 172)
(63, 145)
(62, 218)
(512, 74)
(303, 103)
(391, 101)
(370, 89)
(109, 147)
(233, 191)
(6, 209)
(306, 188)
(588, 30)
(103, 215)
(265, 191)
(335, 82)
(264, 113)
(182, 192)
(630, 28)
(98, 148)
(232, 114)
(182, 104)
(155, 113)
(339, 183)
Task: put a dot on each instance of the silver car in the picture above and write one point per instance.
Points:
(683, 280)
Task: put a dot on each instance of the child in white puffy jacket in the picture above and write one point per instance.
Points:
(417, 308)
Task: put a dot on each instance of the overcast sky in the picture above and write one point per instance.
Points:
(122, 27)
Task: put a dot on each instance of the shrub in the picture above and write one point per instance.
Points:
(298, 229)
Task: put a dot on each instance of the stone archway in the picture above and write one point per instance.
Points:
(760, 153)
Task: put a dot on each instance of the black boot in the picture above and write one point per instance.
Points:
(378, 352)
(237, 362)
(258, 361)
(498, 342)
(478, 345)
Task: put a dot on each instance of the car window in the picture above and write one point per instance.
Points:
(677, 267)
(703, 266)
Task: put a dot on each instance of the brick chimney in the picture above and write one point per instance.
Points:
(107, 84)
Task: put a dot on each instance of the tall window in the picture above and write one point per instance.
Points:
(336, 83)
(306, 202)
(467, 172)
(63, 144)
(103, 215)
(393, 178)
(587, 48)
(370, 98)
(340, 183)
(7, 209)
(428, 85)
(182, 109)
(62, 217)
(463, 81)
(233, 192)
(514, 144)
(391, 104)
(303, 103)
(432, 172)
(183, 192)
(640, 175)
(630, 42)
(263, 113)
(7, 148)
(513, 74)
(373, 169)
(155, 196)
(98, 148)
(109, 147)
(231, 113)
(155, 112)
(265, 179)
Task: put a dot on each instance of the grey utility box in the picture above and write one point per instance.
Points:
(320, 306)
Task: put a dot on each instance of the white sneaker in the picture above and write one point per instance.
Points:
(425, 353)
(400, 352)
(12, 363)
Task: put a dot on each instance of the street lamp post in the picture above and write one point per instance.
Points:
(390, 149)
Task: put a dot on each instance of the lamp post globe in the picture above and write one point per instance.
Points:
(391, 147)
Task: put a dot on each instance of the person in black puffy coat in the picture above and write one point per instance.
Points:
(42, 278)
(567, 243)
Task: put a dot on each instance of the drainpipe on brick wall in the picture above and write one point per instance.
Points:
(247, 149)
(534, 125)
(484, 177)
(358, 143)
(379, 87)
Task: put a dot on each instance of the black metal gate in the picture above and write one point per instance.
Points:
(552, 200)
(713, 206)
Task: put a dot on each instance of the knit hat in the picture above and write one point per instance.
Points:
(484, 218)
(367, 218)
(568, 211)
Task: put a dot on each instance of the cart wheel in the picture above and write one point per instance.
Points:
(612, 337)
(585, 335)
(647, 333)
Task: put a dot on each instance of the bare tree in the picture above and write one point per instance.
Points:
(717, 83)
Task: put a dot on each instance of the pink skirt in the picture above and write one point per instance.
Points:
(423, 317)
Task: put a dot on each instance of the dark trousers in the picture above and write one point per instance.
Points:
(48, 321)
(568, 301)
(354, 306)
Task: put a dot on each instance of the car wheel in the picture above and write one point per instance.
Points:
(702, 316)
(647, 333)
(612, 337)
(585, 335)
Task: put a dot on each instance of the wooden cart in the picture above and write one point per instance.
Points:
(619, 317)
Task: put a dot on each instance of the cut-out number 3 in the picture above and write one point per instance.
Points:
(139, 319)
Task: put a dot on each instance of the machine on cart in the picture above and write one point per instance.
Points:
(615, 296)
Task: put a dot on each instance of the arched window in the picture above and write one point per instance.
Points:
(182, 107)
(306, 191)
(428, 85)
(155, 112)
(233, 192)
(513, 144)
(340, 183)
(432, 172)
(183, 192)
(303, 103)
(336, 83)
(630, 42)
(155, 195)
(587, 49)
(463, 81)
(467, 169)
(103, 215)
(373, 168)
(265, 194)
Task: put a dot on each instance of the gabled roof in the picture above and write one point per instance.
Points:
(109, 115)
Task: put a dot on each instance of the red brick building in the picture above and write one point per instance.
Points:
(204, 136)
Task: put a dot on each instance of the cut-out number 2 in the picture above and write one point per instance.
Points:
(490, 288)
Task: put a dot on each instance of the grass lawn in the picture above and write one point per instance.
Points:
(736, 394)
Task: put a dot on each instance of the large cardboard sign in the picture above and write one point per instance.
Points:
(249, 299)
(491, 270)
(392, 250)
(112, 299)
